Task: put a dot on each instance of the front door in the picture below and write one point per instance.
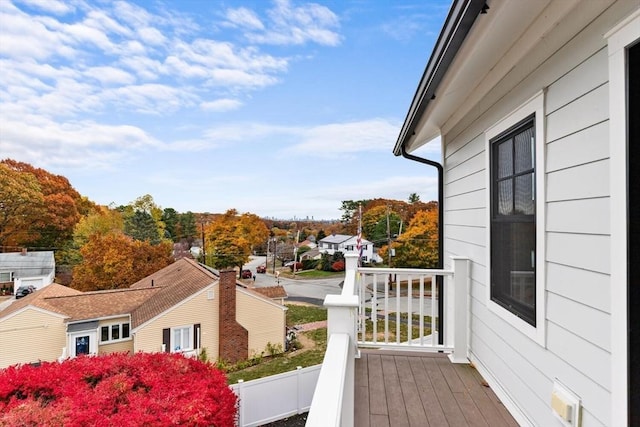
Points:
(82, 342)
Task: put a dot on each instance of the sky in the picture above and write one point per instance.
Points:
(281, 108)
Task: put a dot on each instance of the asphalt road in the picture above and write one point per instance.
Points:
(308, 290)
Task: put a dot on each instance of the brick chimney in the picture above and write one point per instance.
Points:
(234, 338)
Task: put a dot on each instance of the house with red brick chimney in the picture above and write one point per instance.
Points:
(185, 307)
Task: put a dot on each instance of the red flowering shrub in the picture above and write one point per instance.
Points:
(151, 389)
(338, 266)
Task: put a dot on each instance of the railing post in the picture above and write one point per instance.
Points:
(460, 320)
(341, 316)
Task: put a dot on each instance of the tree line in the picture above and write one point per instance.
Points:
(109, 247)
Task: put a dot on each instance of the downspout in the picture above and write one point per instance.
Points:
(439, 281)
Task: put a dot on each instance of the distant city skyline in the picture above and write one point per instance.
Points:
(280, 108)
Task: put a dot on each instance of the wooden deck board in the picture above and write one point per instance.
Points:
(423, 389)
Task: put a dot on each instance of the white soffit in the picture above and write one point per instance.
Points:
(499, 40)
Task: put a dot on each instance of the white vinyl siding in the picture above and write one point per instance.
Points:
(577, 349)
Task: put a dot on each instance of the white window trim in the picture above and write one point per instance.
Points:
(535, 105)
(189, 334)
(619, 38)
(112, 341)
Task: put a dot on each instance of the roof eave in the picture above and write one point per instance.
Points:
(460, 19)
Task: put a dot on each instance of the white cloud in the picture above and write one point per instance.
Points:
(244, 18)
(52, 6)
(288, 24)
(110, 75)
(82, 144)
(345, 138)
(221, 105)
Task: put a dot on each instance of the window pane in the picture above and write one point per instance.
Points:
(115, 332)
(513, 267)
(524, 203)
(524, 151)
(505, 159)
(505, 198)
(125, 330)
(177, 338)
(104, 333)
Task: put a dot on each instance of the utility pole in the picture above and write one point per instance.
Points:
(204, 252)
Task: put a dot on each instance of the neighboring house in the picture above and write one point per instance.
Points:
(24, 268)
(310, 242)
(311, 254)
(184, 307)
(536, 107)
(274, 293)
(345, 244)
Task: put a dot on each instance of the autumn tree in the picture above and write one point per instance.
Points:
(64, 205)
(418, 246)
(22, 207)
(380, 223)
(232, 237)
(115, 261)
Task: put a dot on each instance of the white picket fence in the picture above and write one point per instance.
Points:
(276, 397)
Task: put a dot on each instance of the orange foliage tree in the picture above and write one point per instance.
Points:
(116, 261)
(418, 246)
(22, 207)
(63, 207)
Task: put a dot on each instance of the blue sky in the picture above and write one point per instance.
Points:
(281, 108)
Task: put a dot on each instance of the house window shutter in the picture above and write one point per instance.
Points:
(166, 339)
(196, 335)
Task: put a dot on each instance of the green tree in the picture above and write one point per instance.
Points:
(171, 220)
(141, 226)
(188, 227)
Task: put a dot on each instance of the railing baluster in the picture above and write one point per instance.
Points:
(374, 309)
(434, 307)
(409, 309)
(386, 308)
(421, 299)
(398, 286)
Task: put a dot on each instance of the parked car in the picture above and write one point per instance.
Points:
(246, 274)
(261, 269)
(25, 290)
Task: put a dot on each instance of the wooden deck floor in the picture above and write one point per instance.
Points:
(422, 389)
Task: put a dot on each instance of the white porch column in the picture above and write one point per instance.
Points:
(459, 322)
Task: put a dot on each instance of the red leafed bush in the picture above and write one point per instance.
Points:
(338, 266)
(151, 389)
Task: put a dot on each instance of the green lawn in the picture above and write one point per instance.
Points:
(319, 274)
(299, 314)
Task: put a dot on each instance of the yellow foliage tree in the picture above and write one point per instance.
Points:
(418, 246)
(232, 237)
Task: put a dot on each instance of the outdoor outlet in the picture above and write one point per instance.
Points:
(565, 405)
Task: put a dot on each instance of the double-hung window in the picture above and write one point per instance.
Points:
(513, 220)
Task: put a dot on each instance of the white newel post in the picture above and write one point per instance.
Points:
(460, 318)
(342, 312)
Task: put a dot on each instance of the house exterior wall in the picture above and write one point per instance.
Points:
(31, 336)
(199, 309)
(264, 320)
(576, 347)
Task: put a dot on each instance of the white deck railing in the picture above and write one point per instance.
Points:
(386, 308)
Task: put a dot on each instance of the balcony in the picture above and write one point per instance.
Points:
(386, 361)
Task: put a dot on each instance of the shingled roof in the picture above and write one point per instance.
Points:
(40, 299)
(177, 282)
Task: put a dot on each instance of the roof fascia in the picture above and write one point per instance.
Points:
(460, 19)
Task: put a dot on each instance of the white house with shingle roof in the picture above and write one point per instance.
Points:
(345, 244)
